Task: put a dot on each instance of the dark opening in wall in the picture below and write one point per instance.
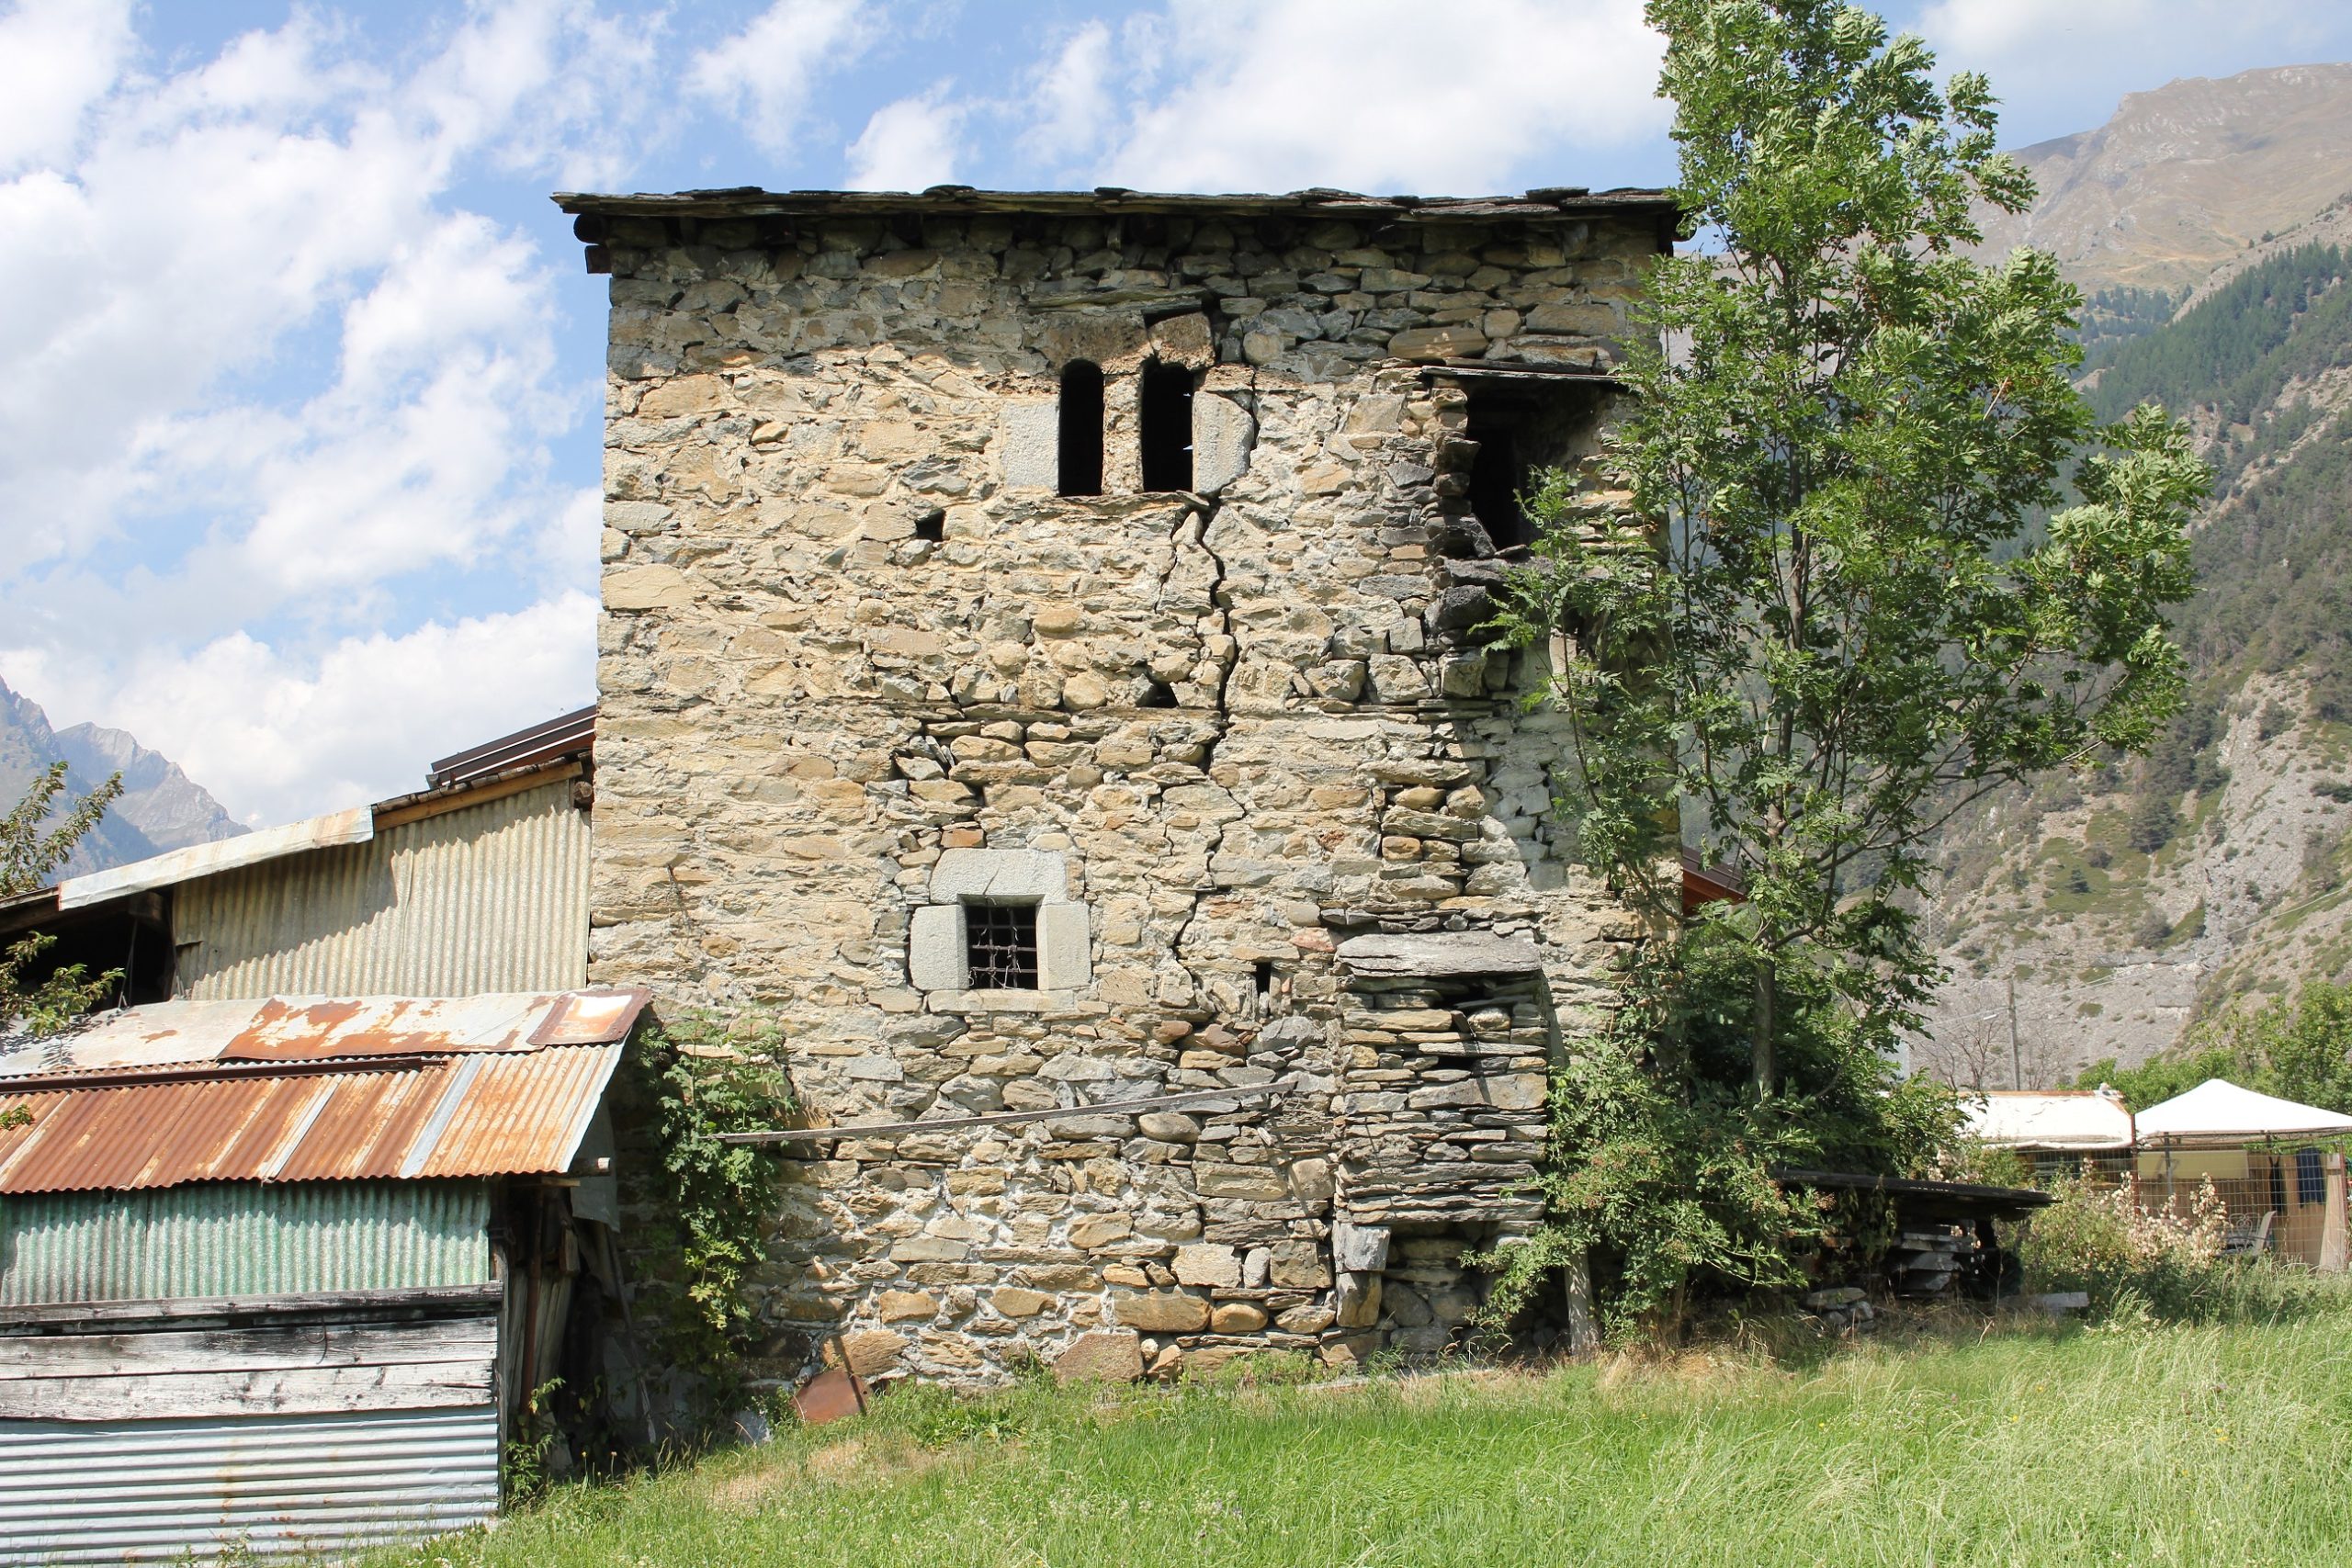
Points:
(1264, 973)
(1159, 694)
(1081, 429)
(1497, 476)
(1523, 425)
(1001, 946)
(1166, 426)
(931, 525)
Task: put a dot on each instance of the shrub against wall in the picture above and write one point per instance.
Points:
(1660, 1148)
(700, 1209)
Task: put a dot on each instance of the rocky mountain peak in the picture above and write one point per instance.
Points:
(161, 808)
(2183, 176)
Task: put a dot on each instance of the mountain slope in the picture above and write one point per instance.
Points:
(2124, 906)
(161, 808)
(2186, 176)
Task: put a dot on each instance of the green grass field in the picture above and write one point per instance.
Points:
(2013, 1446)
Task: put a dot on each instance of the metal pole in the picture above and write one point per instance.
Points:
(2016, 1070)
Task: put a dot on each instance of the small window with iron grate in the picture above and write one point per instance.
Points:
(1001, 946)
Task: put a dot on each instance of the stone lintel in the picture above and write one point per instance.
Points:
(1439, 955)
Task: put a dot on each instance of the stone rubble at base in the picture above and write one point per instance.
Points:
(1236, 734)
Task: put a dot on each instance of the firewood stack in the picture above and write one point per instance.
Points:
(1924, 1260)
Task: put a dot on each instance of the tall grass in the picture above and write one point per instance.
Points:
(2202, 1444)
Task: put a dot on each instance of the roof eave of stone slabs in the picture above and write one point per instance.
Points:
(750, 201)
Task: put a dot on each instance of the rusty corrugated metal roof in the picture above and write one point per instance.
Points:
(286, 1029)
(380, 1087)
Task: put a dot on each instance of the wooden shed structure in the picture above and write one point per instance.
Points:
(277, 1275)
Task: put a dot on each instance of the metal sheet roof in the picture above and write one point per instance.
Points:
(284, 1029)
(574, 731)
(355, 826)
(2031, 1119)
(313, 1090)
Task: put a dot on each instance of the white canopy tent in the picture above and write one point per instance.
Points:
(2256, 1152)
(2218, 1114)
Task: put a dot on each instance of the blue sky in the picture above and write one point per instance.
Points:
(300, 426)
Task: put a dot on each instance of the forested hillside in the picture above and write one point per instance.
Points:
(2126, 905)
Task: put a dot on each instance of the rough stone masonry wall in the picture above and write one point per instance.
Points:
(1239, 728)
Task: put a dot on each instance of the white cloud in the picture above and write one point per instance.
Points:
(57, 59)
(909, 145)
(277, 401)
(762, 74)
(1070, 98)
(280, 735)
(1375, 95)
(2062, 67)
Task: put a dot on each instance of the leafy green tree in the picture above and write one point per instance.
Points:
(2298, 1048)
(36, 837)
(1833, 613)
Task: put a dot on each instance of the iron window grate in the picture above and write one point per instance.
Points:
(1001, 946)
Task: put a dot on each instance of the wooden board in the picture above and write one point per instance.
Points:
(306, 1391)
(419, 1301)
(247, 1350)
(276, 1370)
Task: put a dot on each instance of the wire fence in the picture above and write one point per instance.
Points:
(2276, 1200)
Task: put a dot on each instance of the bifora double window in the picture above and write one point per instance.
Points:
(1163, 428)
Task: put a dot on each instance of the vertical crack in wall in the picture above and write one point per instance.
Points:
(1221, 607)
(1197, 520)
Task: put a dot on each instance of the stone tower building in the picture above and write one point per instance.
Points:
(1039, 668)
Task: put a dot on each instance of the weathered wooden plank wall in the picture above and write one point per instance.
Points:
(364, 1418)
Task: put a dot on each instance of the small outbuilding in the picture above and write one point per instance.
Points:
(277, 1275)
(2056, 1132)
(2277, 1165)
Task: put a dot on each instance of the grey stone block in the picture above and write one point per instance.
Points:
(1030, 450)
(1362, 1249)
(935, 949)
(999, 873)
(1222, 434)
(1438, 955)
(1064, 947)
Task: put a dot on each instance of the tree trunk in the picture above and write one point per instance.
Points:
(1762, 1066)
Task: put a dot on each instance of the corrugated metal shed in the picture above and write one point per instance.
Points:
(345, 1089)
(221, 1239)
(149, 1491)
(488, 897)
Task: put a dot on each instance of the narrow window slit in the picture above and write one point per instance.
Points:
(1001, 946)
(1165, 418)
(1264, 971)
(1081, 429)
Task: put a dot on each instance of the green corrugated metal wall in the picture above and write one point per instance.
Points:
(242, 1238)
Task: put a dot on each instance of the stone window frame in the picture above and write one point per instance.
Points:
(1029, 432)
(937, 935)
